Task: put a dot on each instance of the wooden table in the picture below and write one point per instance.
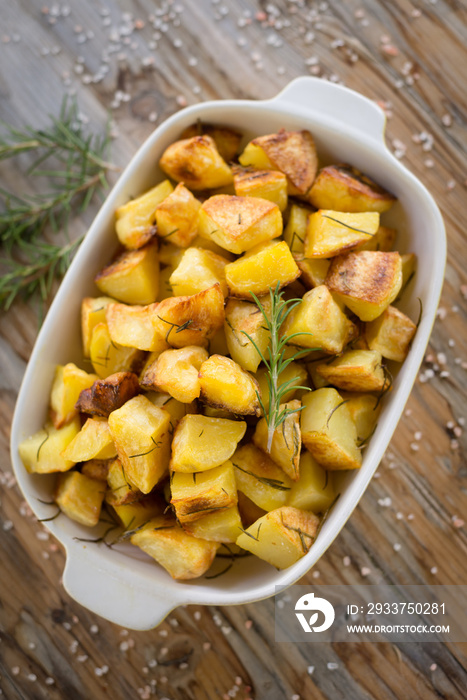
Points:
(408, 56)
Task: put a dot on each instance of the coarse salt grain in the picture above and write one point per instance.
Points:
(332, 666)
(433, 667)
(385, 502)
(32, 677)
(94, 629)
(310, 670)
(346, 561)
(49, 680)
(397, 547)
(248, 624)
(365, 571)
(434, 570)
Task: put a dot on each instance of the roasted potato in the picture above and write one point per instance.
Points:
(80, 497)
(261, 269)
(133, 277)
(93, 311)
(198, 270)
(259, 478)
(330, 233)
(367, 281)
(135, 221)
(344, 188)
(109, 358)
(197, 494)
(134, 326)
(41, 453)
(243, 319)
(176, 373)
(314, 490)
(239, 223)
(68, 383)
(355, 370)
(106, 395)
(267, 184)
(93, 441)
(291, 152)
(196, 162)
(227, 140)
(177, 217)
(391, 334)
(286, 441)
(225, 385)
(201, 443)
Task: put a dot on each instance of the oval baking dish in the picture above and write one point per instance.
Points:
(122, 584)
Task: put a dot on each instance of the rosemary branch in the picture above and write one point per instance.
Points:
(74, 165)
(276, 362)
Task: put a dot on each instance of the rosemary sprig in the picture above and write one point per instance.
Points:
(275, 362)
(74, 165)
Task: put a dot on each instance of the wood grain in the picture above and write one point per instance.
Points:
(408, 56)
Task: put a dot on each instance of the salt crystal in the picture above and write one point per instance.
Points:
(365, 571)
(310, 670)
(94, 629)
(49, 680)
(397, 546)
(32, 677)
(433, 667)
(385, 502)
(346, 561)
(332, 666)
(418, 435)
(434, 570)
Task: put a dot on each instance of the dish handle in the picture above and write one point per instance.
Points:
(112, 598)
(336, 104)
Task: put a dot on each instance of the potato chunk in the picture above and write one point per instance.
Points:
(176, 409)
(133, 515)
(195, 495)
(281, 537)
(286, 441)
(106, 395)
(295, 231)
(96, 469)
(249, 511)
(328, 430)
(367, 281)
(177, 217)
(198, 270)
(135, 224)
(109, 358)
(391, 334)
(314, 271)
(134, 326)
(80, 497)
(197, 163)
(68, 383)
(142, 437)
(243, 317)
(355, 370)
(133, 277)
(92, 312)
(41, 453)
(183, 556)
(121, 491)
(191, 320)
(364, 410)
(314, 490)
(330, 233)
(260, 270)
(259, 478)
(239, 223)
(202, 443)
(227, 140)
(267, 184)
(225, 385)
(291, 152)
(344, 188)
(319, 316)
(176, 372)
(93, 441)
(218, 526)
(383, 239)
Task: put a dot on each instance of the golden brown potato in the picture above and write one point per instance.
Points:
(328, 430)
(96, 469)
(364, 410)
(106, 395)
(367, 282)
(344, 188)
(281, 537)
(80, 497)
(267, 184)
(295, 230)
(218, 526)
(121, 490)
(191, 320)
(41, 453)
(198, 270)
(239, 223)
(331, 233)
(135, 220)
(243, 317)
(201, 443)
(314, 490)
(92, 312)
(260, 478)
(291, 152)
(261, 269)
(176, 373)
(68, 382)
(355, 370)
(197, 163)
(227, 140)
(93, 441)
(319, 315)
(182, 555)
(225, 385)
(132, 326)
(294, 373)
(133, 277)
(249, 511)
(391, 334)
(177, 217)
(314, 270)
(195, 495)
(133, 515)
(108, 358)
(383, 239)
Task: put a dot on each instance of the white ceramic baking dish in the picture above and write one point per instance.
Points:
(124, 585)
